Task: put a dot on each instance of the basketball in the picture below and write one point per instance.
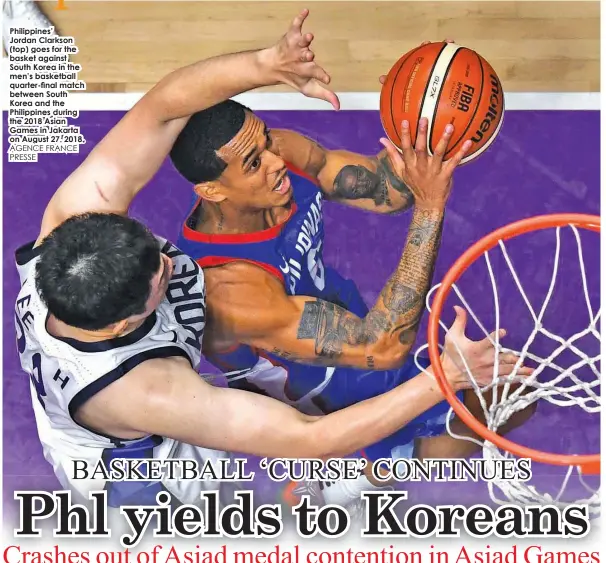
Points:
(445, 83)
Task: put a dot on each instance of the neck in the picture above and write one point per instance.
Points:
(223, 218)
(59, 328)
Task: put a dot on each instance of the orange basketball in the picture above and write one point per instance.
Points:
(446, 83)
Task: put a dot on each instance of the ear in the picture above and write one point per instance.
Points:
(119, 328)
(210, 191)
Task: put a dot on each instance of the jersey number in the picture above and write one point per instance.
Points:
(316, 267)
(37, 380)
(36, 377)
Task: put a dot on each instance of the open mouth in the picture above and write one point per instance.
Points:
(283, 185)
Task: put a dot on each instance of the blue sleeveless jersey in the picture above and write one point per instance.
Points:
(292, 252)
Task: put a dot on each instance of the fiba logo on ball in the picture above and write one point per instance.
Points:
(445, 83)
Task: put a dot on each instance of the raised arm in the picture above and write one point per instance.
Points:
(366, 182)
(251, 307)
(258, 312)
(131, 153)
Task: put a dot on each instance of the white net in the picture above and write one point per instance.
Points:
(575, 384)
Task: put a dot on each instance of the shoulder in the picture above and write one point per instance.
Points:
(172, 367)
(243, 297)
(150, 387)
(151, 377)
(237, 278)
(26, 257)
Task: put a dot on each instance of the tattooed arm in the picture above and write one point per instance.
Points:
(359, 181)
(249, 306)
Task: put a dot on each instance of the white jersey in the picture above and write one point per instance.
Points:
(65, 373)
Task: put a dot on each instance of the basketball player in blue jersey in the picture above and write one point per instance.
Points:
(281, 322)
(110, 319)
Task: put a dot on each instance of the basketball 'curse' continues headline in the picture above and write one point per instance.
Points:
(291, 469)
(385, 514)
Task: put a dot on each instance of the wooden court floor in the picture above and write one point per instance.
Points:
(543, 46)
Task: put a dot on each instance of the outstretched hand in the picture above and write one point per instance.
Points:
(294, 61)
(429, 178)
(480, 357)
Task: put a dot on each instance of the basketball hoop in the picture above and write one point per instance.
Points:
(565, 389)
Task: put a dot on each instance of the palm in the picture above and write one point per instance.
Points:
(464, 358)
(479, 357)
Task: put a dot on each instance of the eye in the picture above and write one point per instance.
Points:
(255, 163)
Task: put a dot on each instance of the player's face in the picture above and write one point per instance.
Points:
(159, 285)
(255, 177)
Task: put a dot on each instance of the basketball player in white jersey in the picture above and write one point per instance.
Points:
(110, 318)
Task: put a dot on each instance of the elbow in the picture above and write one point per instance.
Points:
(319, 442)
(397, 210)
(396, 359)
(392, 355)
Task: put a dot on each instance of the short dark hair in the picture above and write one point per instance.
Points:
(96, 269)
(194, 152)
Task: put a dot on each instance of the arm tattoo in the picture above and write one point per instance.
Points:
(359, 182)
(395, 182)
(284, 354)
(330, 326)
(404, 295)
(398, 310)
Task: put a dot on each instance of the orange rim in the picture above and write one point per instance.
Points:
(588, 464)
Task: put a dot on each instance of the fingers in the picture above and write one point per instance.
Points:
(408, 154)
(452, 163)
(392, 153)
(315, 89)
(444, 41)
(486, 376)
(421, 144)
(307, 56)
(493, 334)
(489, 341)
(334, 100)
(319, 74)
(382, 78)
(508, 358)
(306, 40)
(458, 326)
(297, 23)
(442, 146)
(507, 365)
(508, 369)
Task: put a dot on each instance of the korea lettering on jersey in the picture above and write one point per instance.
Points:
(186, 294)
